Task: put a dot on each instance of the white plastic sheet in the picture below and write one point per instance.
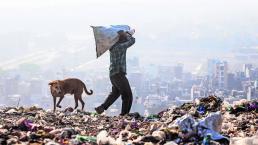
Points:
(209, 125)
(106, 37)
(213, 121)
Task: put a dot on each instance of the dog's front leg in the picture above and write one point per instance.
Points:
(58, 103)
(76, 101)
(54, 100)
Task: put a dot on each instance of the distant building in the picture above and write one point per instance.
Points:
(165, 73)
(155, 103)
(234, 83)
(197, 92)
(187, 76)
(1, 89)
(154, 99)
(211, 63)
(246, 85)
(13, 100)
(236, 93)
(101, 83)
(133, 62)
(178, 71)
(218, 71)
(36, 87)
(146, 86)
(11, 86)
(247, 69)
(136, 80)
(163, 89)
(153, 88)
(240, 75)
(251, 93)
(221, 75)
(256, 85)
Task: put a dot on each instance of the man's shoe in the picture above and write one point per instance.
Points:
(99, 109)
(123, 114)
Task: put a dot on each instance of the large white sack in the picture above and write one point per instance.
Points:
(106, 36)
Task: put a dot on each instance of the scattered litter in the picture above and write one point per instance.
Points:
(204, 121)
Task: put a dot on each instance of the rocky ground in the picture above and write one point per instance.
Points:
(205, 121)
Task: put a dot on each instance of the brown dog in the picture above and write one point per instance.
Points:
(68, 86)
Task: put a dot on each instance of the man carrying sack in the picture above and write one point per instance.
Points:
(117, 73)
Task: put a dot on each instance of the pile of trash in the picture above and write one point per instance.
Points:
(240, 119)
(204, 121)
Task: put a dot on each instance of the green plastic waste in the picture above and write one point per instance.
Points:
(230, 108)
(86, 138)
(207, 139)
(94, 114)
(153, 116)
(138, 132)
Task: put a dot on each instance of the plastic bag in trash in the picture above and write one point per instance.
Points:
(213, 121)
(186, 123)
(203, 132)
(103, 138)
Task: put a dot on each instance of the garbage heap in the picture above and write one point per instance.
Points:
(205, 121)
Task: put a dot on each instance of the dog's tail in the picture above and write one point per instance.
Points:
(87, 92)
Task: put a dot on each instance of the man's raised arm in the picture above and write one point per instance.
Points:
(130, 41)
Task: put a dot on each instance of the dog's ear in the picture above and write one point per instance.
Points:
(51, 83)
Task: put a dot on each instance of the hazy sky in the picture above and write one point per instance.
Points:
(176, 25)
(151, 15)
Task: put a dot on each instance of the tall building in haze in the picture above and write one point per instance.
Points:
(178, 71)
(221, 75)
(218, 71)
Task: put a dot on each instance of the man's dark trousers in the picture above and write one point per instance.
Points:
(120, 86)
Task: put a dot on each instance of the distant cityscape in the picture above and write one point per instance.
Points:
(155, 87)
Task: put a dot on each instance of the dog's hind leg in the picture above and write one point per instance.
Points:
(76, 101)
(54, 100)
(58, 103)
(82, 102)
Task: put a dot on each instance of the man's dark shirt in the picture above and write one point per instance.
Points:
(118, 56)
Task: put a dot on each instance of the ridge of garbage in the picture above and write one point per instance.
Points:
(205, 121)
